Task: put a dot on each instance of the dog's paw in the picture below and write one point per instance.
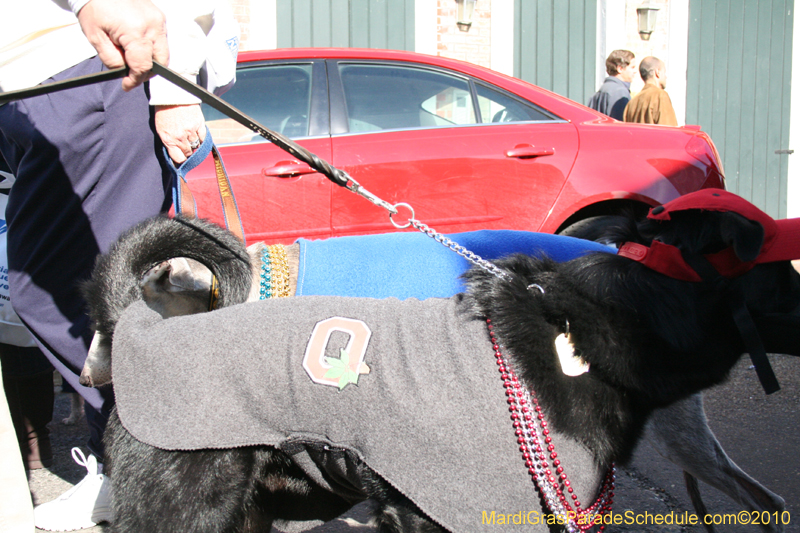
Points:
(76, 410)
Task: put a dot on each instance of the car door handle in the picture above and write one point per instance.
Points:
(288, 169)
(527, 151)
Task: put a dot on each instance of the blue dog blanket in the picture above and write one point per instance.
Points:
(413, 265)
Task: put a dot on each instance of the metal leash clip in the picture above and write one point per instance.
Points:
(353, 186)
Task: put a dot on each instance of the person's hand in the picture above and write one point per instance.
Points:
(126, 32)
(180, 127)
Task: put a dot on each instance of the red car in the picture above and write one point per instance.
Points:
(466, 147)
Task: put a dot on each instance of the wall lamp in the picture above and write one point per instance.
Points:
(648, 13)
(464, 14)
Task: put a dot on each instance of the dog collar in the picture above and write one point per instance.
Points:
(213, 293)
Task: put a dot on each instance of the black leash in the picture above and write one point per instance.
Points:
(741, 317)
(47, 88)
(337, 176)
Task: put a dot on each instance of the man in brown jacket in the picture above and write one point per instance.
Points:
(652, 104)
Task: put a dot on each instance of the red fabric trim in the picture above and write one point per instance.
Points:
(660, 257)
(668, 260)
(781, 238)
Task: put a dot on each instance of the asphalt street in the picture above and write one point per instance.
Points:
(758, 432)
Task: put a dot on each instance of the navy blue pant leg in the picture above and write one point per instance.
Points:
(89, 166)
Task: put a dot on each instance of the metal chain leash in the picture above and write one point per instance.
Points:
(444, 240)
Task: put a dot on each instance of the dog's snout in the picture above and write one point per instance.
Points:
(85, 379)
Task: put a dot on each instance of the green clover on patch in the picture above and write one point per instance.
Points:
(340, 369)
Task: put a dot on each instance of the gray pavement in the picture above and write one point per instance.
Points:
(759, 432)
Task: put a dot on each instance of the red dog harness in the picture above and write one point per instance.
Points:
(781, 237)
(781, 243)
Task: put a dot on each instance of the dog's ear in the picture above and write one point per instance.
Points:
(190, 275)
(177, 275)
(745, 236)
(176, 287)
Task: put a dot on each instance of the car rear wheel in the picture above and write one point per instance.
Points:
(593, 228)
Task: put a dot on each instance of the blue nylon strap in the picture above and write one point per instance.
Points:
(182, 195)
(179, 173)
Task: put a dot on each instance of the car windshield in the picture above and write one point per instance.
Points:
(277, 96)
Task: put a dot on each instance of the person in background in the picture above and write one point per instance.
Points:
(90, 163)
(652, 104)
(24, 440)
(27, 374)
(615, 93)
(16, 509)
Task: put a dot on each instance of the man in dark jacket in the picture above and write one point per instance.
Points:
(615, 92)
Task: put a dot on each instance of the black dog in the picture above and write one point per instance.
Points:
(648, 339)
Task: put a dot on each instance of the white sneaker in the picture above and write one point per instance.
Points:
(84, 505)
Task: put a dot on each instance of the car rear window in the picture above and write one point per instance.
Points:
(383, 97)
(277, 96)
(499, 106)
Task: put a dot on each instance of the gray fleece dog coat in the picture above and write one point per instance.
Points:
(411, 388)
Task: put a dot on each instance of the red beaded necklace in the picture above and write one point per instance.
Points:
(554, 488)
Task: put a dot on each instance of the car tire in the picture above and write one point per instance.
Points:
(592, 228)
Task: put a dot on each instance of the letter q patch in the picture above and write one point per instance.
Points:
(337, 371)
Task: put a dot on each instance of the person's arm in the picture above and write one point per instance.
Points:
(134, 32)
(618, 108)
(125, 32)
(179, 120)
(627, 113)
(179, 126)
(666, 113)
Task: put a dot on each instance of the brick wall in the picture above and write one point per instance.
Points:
(473, 46)
(241, 10)
(657, 46)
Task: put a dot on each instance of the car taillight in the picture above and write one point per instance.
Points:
(702, 148)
